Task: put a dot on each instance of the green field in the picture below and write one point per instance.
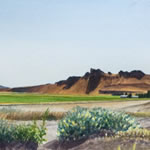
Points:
(44, 98)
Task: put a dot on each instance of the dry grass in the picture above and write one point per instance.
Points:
(37, 115)
(139, 114)
(135, 133)
(25, 116)
(133, 148)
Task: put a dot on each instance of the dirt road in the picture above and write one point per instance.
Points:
(63, 107)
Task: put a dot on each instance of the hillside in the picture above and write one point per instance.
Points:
(3, 87)
(95, 82)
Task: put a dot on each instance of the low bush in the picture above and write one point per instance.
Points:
(21, 133)
(81, 122)
(6, 132)
(146, 95)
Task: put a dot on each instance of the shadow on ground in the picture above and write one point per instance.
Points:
(99, 144)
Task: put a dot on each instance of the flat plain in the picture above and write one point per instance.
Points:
(26, 105)
(24, 98)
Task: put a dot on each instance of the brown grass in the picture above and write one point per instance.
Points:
(139, 114)
(31, 115)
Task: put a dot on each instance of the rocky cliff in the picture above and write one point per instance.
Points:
(94, 82)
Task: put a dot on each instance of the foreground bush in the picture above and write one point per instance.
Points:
(21, 133)
(83, 122)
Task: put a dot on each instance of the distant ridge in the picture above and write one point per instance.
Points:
(3, 87)
(95, 82)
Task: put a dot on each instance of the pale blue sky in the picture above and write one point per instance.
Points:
(43, 41)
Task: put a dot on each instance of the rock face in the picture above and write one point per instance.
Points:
(69, 82)
(133, 74)
(94, 82)
(94, 78)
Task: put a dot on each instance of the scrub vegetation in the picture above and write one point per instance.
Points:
(74, 126)
(21, 133)
(80, 123)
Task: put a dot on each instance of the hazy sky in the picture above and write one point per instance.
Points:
(43, 41)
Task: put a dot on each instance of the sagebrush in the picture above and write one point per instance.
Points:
(82, 122)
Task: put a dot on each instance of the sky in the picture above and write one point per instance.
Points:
(44, 41)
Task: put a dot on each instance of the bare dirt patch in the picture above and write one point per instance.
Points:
(99, 144)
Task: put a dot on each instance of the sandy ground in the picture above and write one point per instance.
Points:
(132, 106)
(63, 107)
(52, 128)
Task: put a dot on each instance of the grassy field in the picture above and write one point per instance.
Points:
(43, 98)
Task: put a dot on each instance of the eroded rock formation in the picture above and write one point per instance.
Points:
(93, 82)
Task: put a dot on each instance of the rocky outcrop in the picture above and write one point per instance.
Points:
(133, 74)
(94, 81)
(69, 82)
(94, 78)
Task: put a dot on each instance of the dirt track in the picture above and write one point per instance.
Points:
(131, 106)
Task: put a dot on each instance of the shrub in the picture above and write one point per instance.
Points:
(30, 133)
(6, 132)
(83, 122)
(146, 95)
(21, 133)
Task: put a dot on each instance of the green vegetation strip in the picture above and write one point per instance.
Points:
(43, 98)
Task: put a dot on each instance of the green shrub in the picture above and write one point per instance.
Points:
(6, 132)
(146, 95)
(30, 133)
(82, 122)
(21, 133)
